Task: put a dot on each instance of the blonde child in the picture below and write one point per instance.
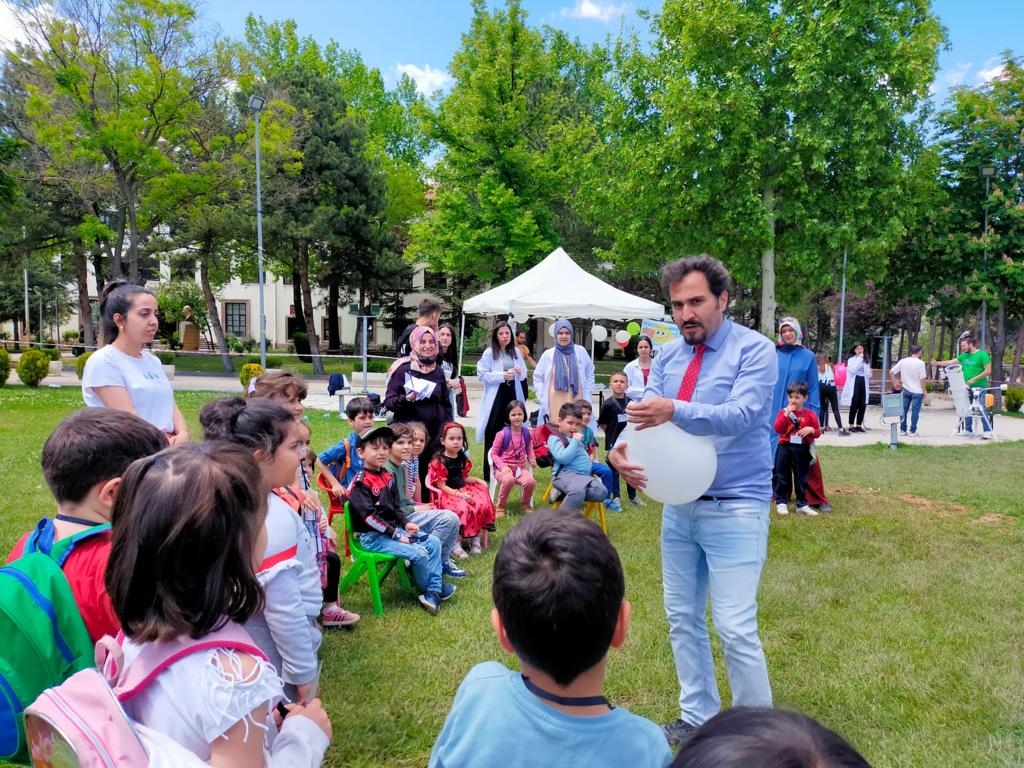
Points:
(286, 630)
(412, 465)
(189, 530)
(512, 456)
(464, 495)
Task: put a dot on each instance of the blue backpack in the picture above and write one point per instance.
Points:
(45, 640)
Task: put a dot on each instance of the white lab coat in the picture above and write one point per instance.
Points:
(491, 374)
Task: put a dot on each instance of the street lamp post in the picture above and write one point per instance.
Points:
(39, 328)
(256, 104)
(986, 172)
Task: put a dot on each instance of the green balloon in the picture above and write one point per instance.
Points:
(633, 328)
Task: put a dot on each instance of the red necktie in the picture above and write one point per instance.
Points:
(692, 372)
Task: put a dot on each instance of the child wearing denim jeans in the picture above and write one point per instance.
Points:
(380, 522)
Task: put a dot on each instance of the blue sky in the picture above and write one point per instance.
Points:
(420, 36)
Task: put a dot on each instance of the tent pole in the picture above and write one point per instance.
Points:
(592, 324)
(462, 337)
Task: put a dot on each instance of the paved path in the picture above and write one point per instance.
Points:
(937, 425)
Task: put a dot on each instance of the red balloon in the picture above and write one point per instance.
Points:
(623, 344)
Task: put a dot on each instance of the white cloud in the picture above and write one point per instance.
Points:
(991, 71)
(10, 31)
(596, 10)
(427, 78)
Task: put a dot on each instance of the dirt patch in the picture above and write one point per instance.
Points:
(940, 508)
(994, 517)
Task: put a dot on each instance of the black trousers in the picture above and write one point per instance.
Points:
(829, 396)
(859, 404)
(496, 419)
(333, 577)
(791, 465)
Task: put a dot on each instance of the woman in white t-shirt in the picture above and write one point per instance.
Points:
(123, 374)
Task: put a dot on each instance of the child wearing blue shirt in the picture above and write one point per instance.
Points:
(342, 460)
(572, 464)
(559, 593)
(603, 471)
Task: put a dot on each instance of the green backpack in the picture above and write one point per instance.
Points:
(44, 639)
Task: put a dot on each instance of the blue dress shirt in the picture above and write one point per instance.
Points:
(732, 404)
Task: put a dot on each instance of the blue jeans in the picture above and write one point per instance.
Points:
(443, 524)
(986, 425)
(603, 473)
(717, 548)
(424, 553)
(911, 402)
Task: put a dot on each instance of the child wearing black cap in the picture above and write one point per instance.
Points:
(381, 525)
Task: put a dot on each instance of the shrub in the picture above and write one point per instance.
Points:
(80, 362)
(52, 353)
(72, 336)
(33, 367)
(272, 362)
(5, 366)
(249, 372)
(1014, 398)
(167, 358)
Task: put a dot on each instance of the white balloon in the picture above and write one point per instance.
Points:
(622, 336)
(551, 330)
(680, 467)
(599, 333)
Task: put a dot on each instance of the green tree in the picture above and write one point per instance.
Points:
(771, 135)
(982, 127)
(512, 127)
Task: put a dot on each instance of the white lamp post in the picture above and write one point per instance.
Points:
(256, 104)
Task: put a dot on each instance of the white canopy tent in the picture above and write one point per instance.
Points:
(559, 287)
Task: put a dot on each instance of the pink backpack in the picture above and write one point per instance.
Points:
(81, 721)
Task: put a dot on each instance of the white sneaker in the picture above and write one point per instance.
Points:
(986, 435)
(807, 510)
(781, 508)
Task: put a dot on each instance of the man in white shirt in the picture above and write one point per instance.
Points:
(912, 376)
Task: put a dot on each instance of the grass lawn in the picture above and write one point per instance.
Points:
(898, 619)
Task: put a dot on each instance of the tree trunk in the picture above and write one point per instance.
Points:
(300, 315)
(1018, 348)
(768, 305)
(333, 327)
(998, 347)
(307, 307)
(211, 306)
(82, 281)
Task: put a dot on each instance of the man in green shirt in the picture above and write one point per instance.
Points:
(976, 365)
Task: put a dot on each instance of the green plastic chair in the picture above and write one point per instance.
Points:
(376, 566)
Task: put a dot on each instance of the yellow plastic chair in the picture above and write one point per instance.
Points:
(376, 566)
(590, 508)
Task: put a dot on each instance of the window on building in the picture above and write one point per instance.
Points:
(236, 318)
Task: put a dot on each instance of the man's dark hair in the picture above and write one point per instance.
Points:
(768, 738)
(797, 388)
(915, 348)
(558, 587)
(358, 405)
(717, 275)
(428, 306)
(95, 445)
(570, 409)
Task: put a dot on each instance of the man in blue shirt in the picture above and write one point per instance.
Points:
(717, 544)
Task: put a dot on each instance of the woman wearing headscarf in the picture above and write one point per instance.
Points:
(564, 373)
(433, 409)
(797, 363)
(502, 371)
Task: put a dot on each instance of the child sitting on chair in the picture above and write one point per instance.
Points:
(571, 474)
(512, 456)
(558, 593)
(468, 497)
(380, 522)
(603, 471)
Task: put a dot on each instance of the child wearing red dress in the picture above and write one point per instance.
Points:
(453, 488)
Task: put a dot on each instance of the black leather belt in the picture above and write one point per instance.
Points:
(720, 498)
